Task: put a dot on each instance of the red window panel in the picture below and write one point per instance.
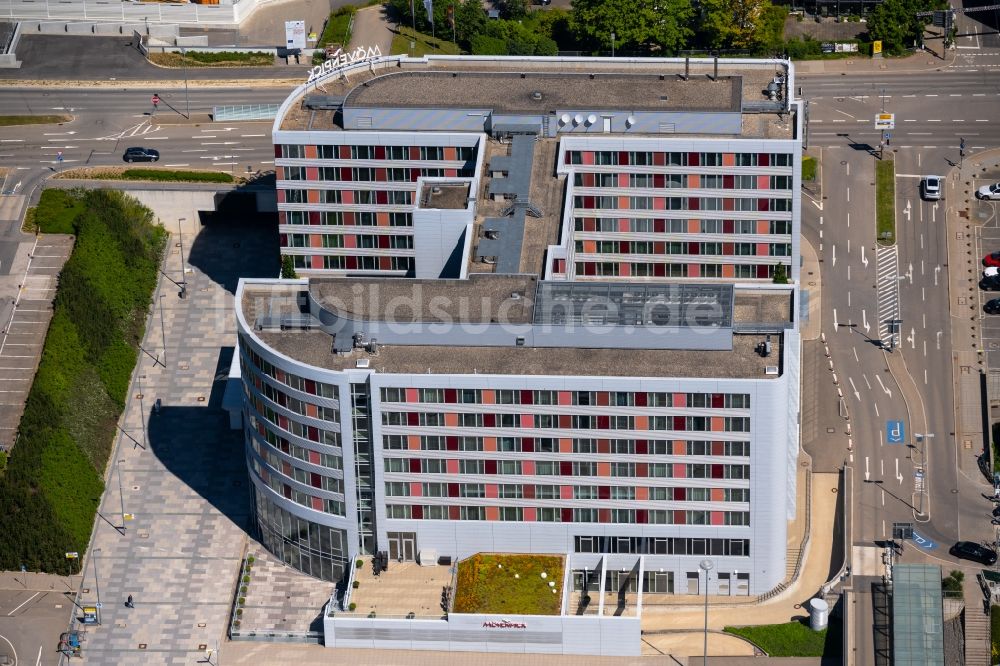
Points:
(718, 448)
(680, 518)
(565, 468)
(315, 480)
(451, 395)
(763, 159)
(345, 152)
(728, 226)
(528, 444)
(380, 152)
(694, 248)
(728, 248)
(728, 182)
(381, 174)
(452, 443)
(452, 490)
(417, 512)
(529, 491)
(604, 446)
(680, 423)
(762, 204)
(527, 398)
(729, 204)
(694, 159)
(588, 180)
(283, 422)
(659, 180)
(489, 420)
(414, 152)
(385, 263)
(314, 217)
(660, 226)
(412, 419)
(718, 401)
(283, 240)
(694, 203)
(660, 270)
(382, 198)
(717, 472)
(603, 492)
(415, 465)
(286, 490)
(567, 515)
(680, 494)
(641, 469)
(603, 398)
(277, 150)
(641, 445)
(588, 202)
(345, 172)
(603, 422)
(641, 516)
(604, 515)
(762, 271)
(491, 466)
(313, 434)
(311, 386)
(622, 158)
(660, 159)
(590, 268)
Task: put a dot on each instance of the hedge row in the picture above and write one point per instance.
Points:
(172, 175)
(53, 483)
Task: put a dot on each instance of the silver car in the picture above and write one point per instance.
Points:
(930, 188)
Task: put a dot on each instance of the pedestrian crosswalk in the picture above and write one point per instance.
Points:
(887, 289)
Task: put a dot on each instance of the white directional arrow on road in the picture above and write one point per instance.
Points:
(864, 321)
(58, 133)
(899, 477)
(912, 338)
(857, 395)
(887, 391)
(909, 273)
(906, 211)
(864, 259)
(867, 473)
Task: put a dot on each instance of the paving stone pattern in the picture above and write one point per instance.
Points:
(183, 476)
(280, 599)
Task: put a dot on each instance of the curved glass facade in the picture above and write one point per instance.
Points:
(312, 548)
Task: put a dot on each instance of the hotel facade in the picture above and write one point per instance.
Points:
(546, 306)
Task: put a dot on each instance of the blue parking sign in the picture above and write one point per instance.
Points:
(895, 432)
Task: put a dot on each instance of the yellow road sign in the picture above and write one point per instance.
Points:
(877, 47)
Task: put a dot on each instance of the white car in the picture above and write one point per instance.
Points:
(992, 271)
(930, 188)
(989, 191)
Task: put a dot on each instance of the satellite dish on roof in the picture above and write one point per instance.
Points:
(630, 121)
(591, 119)
(577, 119)
(564, 119)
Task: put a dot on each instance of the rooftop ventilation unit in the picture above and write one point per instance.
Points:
(492, 234)
(536, 95)
(489, 260)
(435, 190)
(771, 370)
(363, 363)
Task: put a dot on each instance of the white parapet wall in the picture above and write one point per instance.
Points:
(559, 634)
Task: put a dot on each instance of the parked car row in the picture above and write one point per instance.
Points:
(991, 281)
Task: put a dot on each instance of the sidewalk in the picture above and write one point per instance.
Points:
(923, 61)
(371, 28)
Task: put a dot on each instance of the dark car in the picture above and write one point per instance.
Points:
(992, 306)
(992, 259)
(141, 155)
(990, 283)
(970, 550)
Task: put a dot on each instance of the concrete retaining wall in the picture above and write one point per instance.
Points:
(9, 60)
(229, 13)
(160, 31)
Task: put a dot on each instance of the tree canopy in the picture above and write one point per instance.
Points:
(639, 25)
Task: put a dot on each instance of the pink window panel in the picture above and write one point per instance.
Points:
(413, 442)
(763, 182)
(451, 173)
(587, 157)
(347, 196)
(694, 180)
(623, 180)
(492, 512)
(492, 490)
(416, 489)
(623, 224)
(452, 466)
(527, 421)
(315, 240)
(680, 518)
(718, 495)
(566, 492)
(694, 270)
(489, 443)
(350, 241)
(281, 196)
(624, 203)
(529, 513)
(528, 467)
(761, 249)
(659, 203)
(680, 471)
(625, 270)
(412, 395)
(680, 400)
(314, 457)
(642, 493)
(718, 424)
(312, 173)
(763, 227)
(317, 503)
(565, 398)
(603, 469)
(451, 419)
(317, 262)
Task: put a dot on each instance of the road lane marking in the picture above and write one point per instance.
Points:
(176, 165)
(256, 136)
(196, 150)
(23, 603)
(13, 651)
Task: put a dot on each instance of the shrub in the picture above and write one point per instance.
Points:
(780, 275)
(250, 559)
(360, 563)
(953, 581)
(246, 579)
(288, 272)
(51, 488)
(338, 27)
(241, 601)
(356, 584)
(239, 611)
(486, 45)
(352, 606)
(243, 589)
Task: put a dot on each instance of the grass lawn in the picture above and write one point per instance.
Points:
(488, 583)
(338, 28)
(6, 121)
(217, 59)
(792, 639)
(423, 44)
(170, 175)
(809, 168)
(885, 200)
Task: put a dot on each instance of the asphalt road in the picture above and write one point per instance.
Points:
(116, 58)
(29, 621)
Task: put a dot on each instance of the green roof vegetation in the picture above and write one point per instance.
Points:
(792, 639)
(495, 583)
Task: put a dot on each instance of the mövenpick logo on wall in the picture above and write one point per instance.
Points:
(340, 58)
(504, 624)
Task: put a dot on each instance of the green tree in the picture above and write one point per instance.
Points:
(470, 20)
(513, 9)
(288, 268)
(648, 25)
(896, 24)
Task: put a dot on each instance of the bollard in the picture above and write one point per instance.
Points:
(835, 382)
(850, 444)
(826, 350)
(822, 338)
(831, 364)
(840, 392)
(848, 429)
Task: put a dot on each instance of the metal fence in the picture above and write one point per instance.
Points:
(244, 112)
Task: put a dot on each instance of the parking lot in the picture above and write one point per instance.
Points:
(29, 620)
(987, 241)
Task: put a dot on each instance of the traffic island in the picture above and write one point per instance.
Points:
(885, 200)
(55, 119)
(147, 174)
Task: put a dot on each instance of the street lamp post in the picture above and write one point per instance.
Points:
(612, 44)
(97, 583)
(706, 566)
(163, 333)
(180, 243)
(142, 414)
(121, 495)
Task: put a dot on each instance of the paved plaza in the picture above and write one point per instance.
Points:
(183, 476)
